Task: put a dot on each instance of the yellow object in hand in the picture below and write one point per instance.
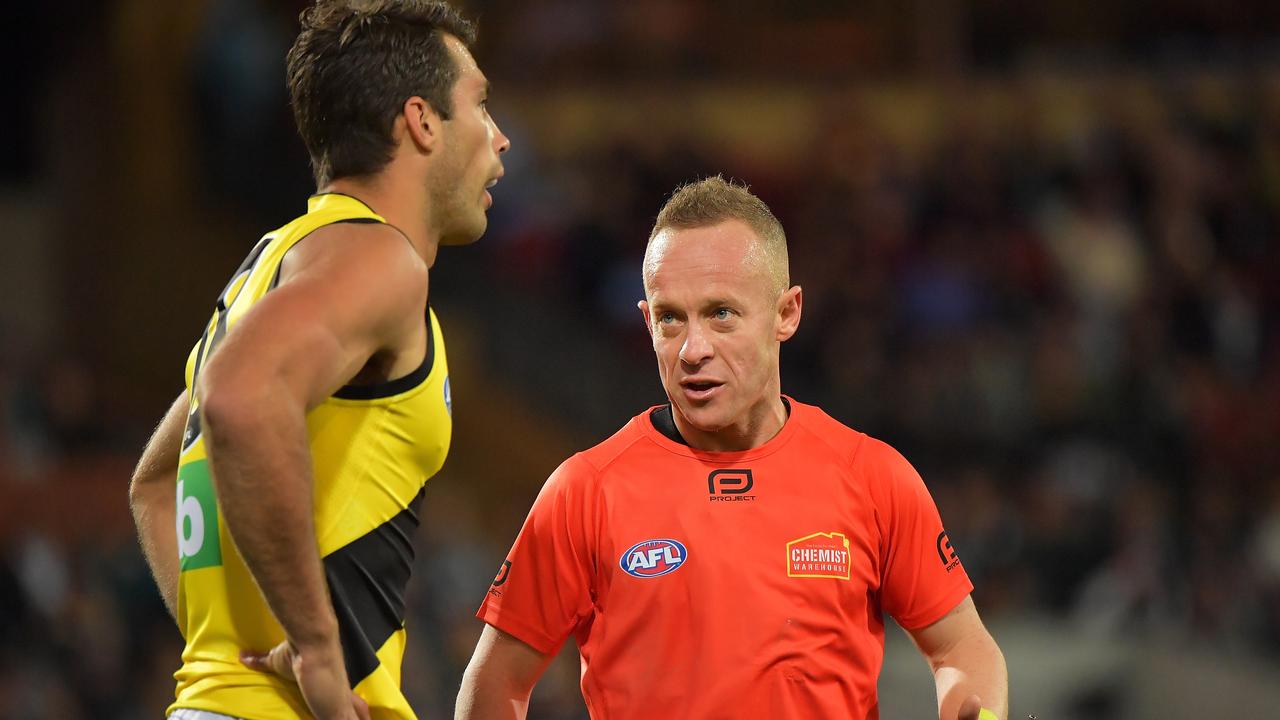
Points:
(985, 714)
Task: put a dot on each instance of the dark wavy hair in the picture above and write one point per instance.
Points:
(353, 66)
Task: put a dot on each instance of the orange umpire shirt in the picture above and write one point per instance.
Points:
(729, 585)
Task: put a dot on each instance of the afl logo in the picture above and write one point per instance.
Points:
(652, 558)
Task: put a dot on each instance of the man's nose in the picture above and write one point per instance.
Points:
(502, 143)
(697, 346)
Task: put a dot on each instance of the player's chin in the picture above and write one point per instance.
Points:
(706, 416)
(467, 232)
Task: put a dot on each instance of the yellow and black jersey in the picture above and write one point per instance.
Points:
(372, 449)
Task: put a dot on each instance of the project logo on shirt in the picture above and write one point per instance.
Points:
(732, 485)
(946, 553)
(498, 581)
(651, 558)
(820, 555)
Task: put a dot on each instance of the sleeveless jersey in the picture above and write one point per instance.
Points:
(372, 449)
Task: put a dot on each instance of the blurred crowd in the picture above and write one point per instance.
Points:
(1072, 333)
(1057, 293)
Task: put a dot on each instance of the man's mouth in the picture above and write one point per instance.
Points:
(496, 177)
(488, 199)
(700, 388)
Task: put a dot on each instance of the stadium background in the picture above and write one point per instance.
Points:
(1038, 243)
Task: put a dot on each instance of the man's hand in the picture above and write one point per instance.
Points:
(971, 709)
(322, 680)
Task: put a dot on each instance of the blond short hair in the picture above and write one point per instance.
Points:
(713, 200)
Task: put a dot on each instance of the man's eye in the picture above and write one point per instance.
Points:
(667, 318)
(723, 313)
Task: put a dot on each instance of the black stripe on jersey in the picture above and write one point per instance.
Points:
(192, 429)
(400, 384)
(367, 579)
(245, 268)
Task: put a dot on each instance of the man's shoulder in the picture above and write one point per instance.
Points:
(366, 265)
(860, 449)
(822, 429)
(350, 242)
(615, 448)
(583, 471)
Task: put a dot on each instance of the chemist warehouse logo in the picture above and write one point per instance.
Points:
(653, 558)
(820, 555)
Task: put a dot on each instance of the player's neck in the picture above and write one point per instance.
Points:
(758, 426)
(408, 212)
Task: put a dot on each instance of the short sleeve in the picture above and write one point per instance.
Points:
(544, 588)
(922, 578)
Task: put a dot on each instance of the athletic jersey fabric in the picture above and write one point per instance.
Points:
(372, 449)
(728, 585)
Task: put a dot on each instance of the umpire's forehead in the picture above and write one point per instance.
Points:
(726, 250)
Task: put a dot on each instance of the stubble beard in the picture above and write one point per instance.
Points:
(460, 220)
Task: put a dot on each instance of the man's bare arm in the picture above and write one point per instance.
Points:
(499, 678)
(966, 662)
(153, 502)
(351, 291)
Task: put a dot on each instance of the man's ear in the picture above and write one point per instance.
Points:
(422, 124)
(644, 310)
(790, 302)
